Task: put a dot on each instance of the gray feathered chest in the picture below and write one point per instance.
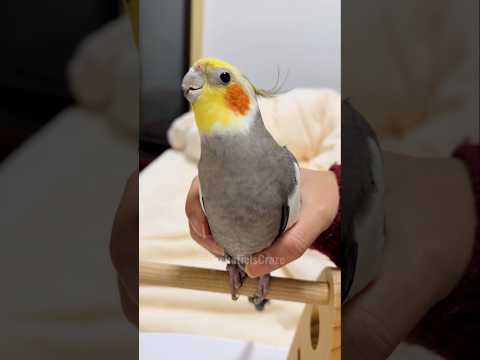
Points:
(246, 180)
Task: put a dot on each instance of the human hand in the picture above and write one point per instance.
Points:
(124, 248)
(320, 201)
(429, 236)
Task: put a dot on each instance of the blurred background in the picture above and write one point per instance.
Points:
(39, 39)
(68, 142)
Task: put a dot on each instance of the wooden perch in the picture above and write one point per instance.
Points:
(155, 274)
(318, 334)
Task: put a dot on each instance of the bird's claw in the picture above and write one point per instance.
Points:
(236, 277)
(259, 299)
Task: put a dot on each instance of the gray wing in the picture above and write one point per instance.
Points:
(285, 216)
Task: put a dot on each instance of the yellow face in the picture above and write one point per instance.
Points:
(221, 97)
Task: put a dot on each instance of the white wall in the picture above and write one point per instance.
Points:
(301, 38)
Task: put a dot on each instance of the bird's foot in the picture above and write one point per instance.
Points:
(236, 277)
(259, 299)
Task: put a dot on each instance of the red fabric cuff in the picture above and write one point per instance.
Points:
(328, 242)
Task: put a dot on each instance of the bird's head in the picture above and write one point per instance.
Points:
(222, 99)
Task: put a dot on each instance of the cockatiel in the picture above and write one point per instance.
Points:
(249, 184)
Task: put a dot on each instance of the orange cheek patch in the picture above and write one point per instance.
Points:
(237, 99)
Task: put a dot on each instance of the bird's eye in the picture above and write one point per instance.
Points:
(225, 77)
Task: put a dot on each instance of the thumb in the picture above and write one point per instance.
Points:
(194, 211)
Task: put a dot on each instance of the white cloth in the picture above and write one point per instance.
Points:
(428, 51)
(104, 75)
(306, 120)
(51, 200)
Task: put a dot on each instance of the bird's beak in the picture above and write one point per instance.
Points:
(192, 83)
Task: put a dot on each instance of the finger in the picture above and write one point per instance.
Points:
(207, 242)
(288, 247)
(368, 324)
(194, 211)
(372, 324)
(124, 237)
(129, 307)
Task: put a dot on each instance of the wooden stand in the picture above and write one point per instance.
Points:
(318, 334)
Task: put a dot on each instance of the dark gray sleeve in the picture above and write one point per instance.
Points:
(363, 215)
